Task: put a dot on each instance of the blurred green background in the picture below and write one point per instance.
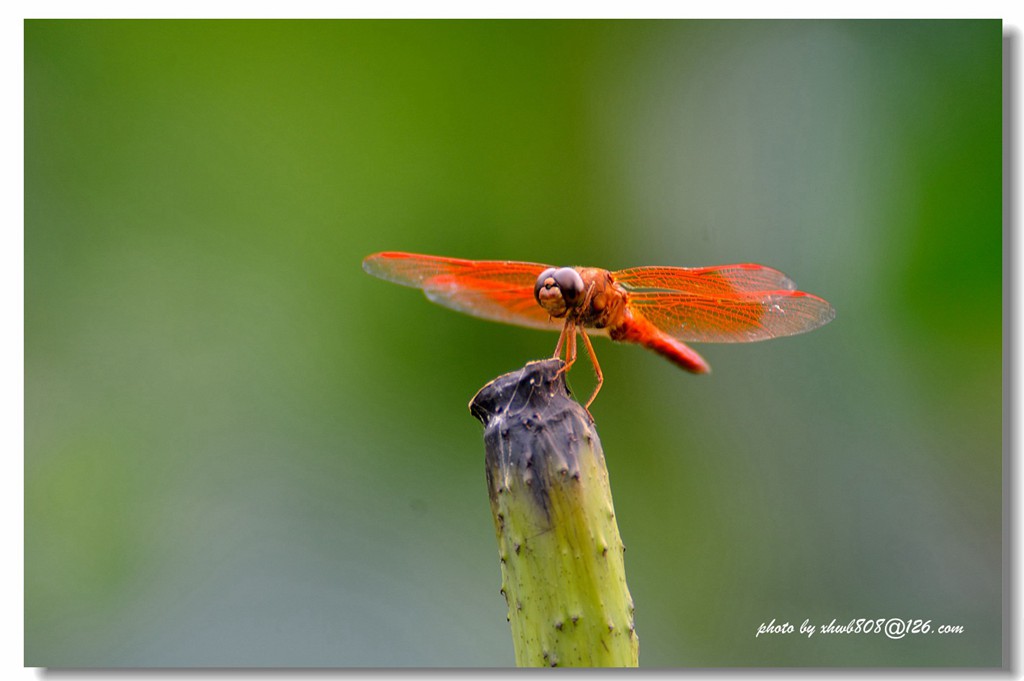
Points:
(242, 450)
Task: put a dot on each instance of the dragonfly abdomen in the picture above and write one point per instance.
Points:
(638, 330)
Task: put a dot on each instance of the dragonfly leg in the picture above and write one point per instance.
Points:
(568, 336)
(567, 340)
(589, 297)
(561, 339)
(597, 369)
(570, 346)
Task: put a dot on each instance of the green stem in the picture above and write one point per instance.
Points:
(562, 567)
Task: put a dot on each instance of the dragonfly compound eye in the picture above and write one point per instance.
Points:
(570, 284)
(544, 282)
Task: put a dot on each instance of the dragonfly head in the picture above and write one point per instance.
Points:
(558, 290)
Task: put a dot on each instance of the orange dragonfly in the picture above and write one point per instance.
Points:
(656, 307)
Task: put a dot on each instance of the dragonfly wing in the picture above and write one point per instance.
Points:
(722, 304)
(706, 280)
(740, 317)
(498, 290)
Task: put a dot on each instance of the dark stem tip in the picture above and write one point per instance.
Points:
(536, 385)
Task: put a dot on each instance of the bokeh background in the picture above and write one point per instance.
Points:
(242, 450)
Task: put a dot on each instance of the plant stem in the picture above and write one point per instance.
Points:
(562, 568)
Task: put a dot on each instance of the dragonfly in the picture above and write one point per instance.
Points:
(659, 308)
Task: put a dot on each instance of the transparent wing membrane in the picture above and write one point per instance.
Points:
(498, 290)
